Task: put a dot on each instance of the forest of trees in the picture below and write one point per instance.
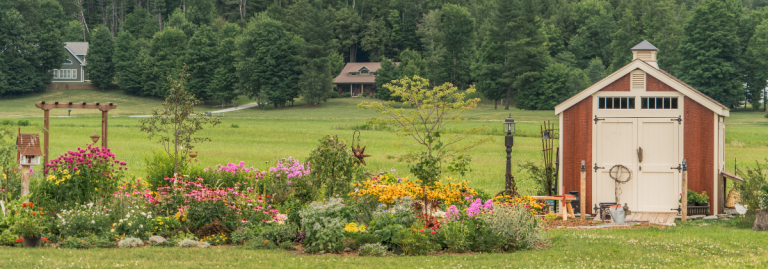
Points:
(532, 53)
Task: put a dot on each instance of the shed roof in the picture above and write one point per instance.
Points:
(29, 144)
(645, 45)
(659, 74)
(345, 77)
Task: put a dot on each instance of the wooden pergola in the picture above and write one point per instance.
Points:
(46, 107)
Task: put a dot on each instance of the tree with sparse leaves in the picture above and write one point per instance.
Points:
(175, 125)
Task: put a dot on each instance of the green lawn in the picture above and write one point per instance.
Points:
(269, 134)
(699, 244)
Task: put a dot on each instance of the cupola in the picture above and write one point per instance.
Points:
(645, 51)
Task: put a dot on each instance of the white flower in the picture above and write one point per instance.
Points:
(93, 222)
(141, 226)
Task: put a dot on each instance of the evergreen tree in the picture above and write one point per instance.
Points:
(140, 23)
(145, 69)
(201, 58)
(101, 69)
(167, 52)
(757, 65)
(488, 70)
(265, 61)
(200, 12)
(594, 34)
(347, 30)
(595, 71)
(124, 59)
(225, 76)
(434, 52)
(386, 74)
(376, 39)
(179, 21)
(18, 72)
(316, 81)
(709, 53)
(458, 39)
(556, 84)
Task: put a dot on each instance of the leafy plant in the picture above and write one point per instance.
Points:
(83, 221)
(334, 166)
(754, 178)
(91, 241)
(215, 239)
(176, 123)
(373, 250)
(416, 240)
(517, 227)
(161, 165)
(324, 222)
(280, 233)
(29, 221)
(455, 235)
(82, 176)
(130, 242)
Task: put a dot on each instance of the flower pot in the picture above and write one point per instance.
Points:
(691, 204)
(702, 204)
(31, 242)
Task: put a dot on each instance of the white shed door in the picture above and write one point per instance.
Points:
(654, 186)
(616, 144)
(659, 184)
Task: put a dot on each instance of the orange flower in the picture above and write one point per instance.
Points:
(31, 204)
(33, 213)
(23, 205)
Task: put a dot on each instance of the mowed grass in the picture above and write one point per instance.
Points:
(699, 244)
(261, 136)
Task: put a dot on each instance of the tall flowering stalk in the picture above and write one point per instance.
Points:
(83, 175)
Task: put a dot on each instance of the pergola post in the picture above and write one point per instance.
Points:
(104, 119)
(46, 124)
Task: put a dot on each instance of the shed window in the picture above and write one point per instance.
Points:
(659, 103)
(616, 103)
(67, 62)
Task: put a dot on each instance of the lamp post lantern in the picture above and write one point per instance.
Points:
(509, 141)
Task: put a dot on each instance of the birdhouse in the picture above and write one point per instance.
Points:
(28, 149)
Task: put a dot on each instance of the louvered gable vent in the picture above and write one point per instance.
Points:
(638, 80)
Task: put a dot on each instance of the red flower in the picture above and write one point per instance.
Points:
(433, 232)
(33, 213)
(31, 204)
(19, 240)
(23, 205)
(45, 239)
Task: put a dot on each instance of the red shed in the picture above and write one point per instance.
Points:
(647, 120)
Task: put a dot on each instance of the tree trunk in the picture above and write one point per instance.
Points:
(761, 220)
(160, 20)
(509, 93)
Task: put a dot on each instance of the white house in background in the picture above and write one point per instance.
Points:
(73, 68)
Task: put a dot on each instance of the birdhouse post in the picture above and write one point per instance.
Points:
(29, 154)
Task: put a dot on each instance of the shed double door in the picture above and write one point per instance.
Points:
(649, 148)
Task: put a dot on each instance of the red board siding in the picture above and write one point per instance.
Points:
(654, 85)
(577, 146)
(700, 148)
(620, 85)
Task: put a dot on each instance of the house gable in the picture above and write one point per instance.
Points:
(654, 80)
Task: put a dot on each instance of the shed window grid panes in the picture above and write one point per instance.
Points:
(659, 103)
(616, 103)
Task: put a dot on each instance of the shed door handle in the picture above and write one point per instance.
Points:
(640, 154)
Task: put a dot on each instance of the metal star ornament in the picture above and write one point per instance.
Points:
(360, 154)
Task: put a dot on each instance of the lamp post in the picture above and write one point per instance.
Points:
(509, 141)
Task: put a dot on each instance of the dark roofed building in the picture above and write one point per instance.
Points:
(357, 78)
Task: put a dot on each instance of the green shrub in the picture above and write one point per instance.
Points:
(6, 122)
(483, 239)
(82, 176)
(416, 240)
(216, 239)
(8, 239)
(83, 221)
(324, 222)
(373, 250)
(345, 95)
(280, 233)
(455, 235)
(334, 94)
(246, 233)
(235, 125)
(754, 179)
(159, 165)
(130, 242)
(287, 245)
(92, 241)
(399, 213)
(363, 238)
(517, 227)
(23, 122)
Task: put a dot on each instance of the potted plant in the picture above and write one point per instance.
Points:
(693, 198)
(703, 199)
(29, 225)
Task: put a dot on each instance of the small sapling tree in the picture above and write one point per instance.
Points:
(176, 123)
(433, 109)
(333, 165)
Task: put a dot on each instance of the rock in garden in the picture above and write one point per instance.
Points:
(723, 216)
(710, 218)
(157, 239)
(695, 217)
(347, 250)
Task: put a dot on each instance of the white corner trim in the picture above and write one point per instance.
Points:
(73, 55)
(649, 70)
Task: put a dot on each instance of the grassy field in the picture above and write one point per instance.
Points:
(698, 244)
(256, 136)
